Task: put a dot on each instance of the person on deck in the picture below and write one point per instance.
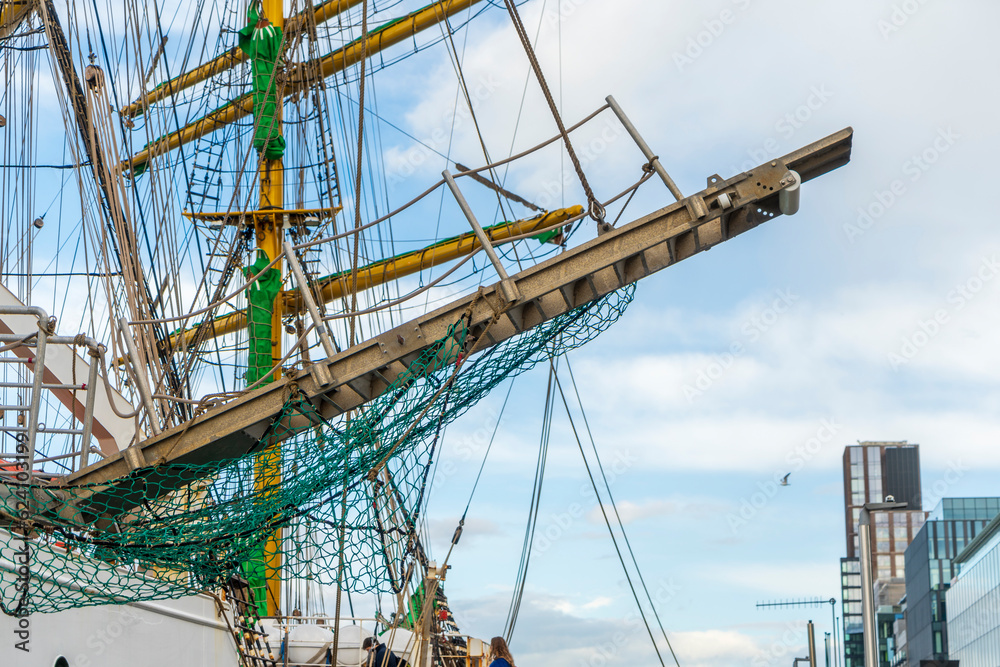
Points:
(499, 653)
(379, 655)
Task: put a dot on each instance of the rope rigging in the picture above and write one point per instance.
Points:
(604, 514)
(536, 496)
(595, 208)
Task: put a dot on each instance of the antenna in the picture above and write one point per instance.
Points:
(804, 602)
(810, 602)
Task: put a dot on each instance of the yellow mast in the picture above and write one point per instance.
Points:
(13, 13)
(269, 232)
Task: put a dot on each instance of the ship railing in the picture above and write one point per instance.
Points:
(30, 348)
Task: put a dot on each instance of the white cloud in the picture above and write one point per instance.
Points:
(549, 632)
(598, 602)
(631, 512)
(793, 579)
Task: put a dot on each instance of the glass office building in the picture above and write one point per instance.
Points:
(850, 589)
(973, 601)
(952, 525)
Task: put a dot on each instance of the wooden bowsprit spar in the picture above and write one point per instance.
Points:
(618, 257)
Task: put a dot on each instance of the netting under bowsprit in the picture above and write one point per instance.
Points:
(135, 540)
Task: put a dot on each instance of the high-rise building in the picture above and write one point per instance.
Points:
(953, 524)
(972, 601)
(872, 472)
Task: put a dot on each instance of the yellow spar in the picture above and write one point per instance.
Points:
(230, 58)
(337, 61)
(335, 286)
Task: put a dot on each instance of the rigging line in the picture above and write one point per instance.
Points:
(607, 522)
(482, 466)
(488, 448)
(169, 373)
(457, 64)
(385, 121)
(596, 210)
(357, 174)
(562, 107)
(44, 166)
(614, 506)
(354, 287)
(529, 530)
(451, 142)
(440, 182)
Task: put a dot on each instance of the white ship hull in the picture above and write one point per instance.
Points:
(184, 632)
(192, 631)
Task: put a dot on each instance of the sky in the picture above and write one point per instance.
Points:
(866, 316)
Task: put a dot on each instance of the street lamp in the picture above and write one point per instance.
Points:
(867, 586)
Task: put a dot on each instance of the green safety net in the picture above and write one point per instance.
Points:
(260, 308)
(261, 42)
(170, 530)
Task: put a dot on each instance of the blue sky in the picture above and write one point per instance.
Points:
(870, 315)
(889, 303)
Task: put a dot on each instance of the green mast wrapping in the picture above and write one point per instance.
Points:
(260, 307)
(261, 41)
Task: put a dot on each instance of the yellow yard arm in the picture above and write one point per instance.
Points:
(13, 13)
(233, 56)
(350, 54)
(335, 286)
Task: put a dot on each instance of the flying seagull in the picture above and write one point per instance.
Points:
(784, 480)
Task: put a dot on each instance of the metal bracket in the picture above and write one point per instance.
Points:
(321, 374)
(507, 286)
(133, 457)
